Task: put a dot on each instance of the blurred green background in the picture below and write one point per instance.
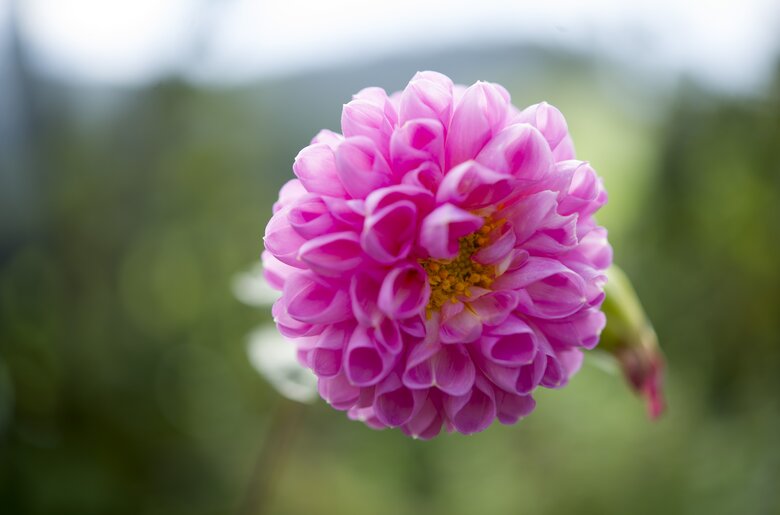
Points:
(125, 385)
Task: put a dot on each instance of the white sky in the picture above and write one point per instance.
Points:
(730, 43)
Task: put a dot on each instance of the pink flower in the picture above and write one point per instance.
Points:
(439, 260)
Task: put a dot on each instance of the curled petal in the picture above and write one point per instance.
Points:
(416, 142)
(361, 167)
(404, 292)
(332, 254)
(512, 408)
(282, 240)
(388, 234)
(274, 271)
(428, 95)
(427, 176)
(426, 424)
(290, 192)
(395, 404)
(511, 350)
(315, 167)
(338, 392)
(480, 113)
(548, 120)
(364, 363)
(494, 308)
(443, 227)
(549, 289)
(472, 186)
(459, 325)
(325, 358)
(585, 194)
(538, 227)
(474, 411)
(311, 300)
(518, 150)
(364, 118)
(364, 293)
(311, 217)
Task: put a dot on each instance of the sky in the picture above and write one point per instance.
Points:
(730, 44)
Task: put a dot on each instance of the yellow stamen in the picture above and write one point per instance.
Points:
(451, 279)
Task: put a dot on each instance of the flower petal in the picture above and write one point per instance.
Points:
(405, 291)
(472, 186)
(315, 167)
(443, 227)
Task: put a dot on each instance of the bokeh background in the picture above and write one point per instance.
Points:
(142, 144)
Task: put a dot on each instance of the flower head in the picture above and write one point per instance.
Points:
(439, 260)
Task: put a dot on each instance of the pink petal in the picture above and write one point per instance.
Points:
(502, 242)
(462, 326)
(364, 364)
(363, 118)
(518, 150)
(493, 308)
(426, 424)
(453, 370)
(282, 240)
(338, 392)
(511, 350)
(389, 233)
(442, 229)
(426, 176)
(405, 291)
(315, 166)
(361, 167)
(474, 411)
(472, 186)
(274, 271)
(325, 358)
(363, 293)
(416, 142)
(289, 193)
(313, 301)
(547, 119)
(550, 289)
(332, 254)
(479, 115)
(428, 95)
(394, 404)
(310, 217)
(512, 408)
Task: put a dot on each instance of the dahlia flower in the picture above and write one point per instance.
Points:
(438, 260)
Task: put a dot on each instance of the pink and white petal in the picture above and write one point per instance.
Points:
(462, 326)
(414, 143)
(365, 364)
(405, 292)
(512, 408)
(472, 186)
(519, 150)
(395, 404)
(428, 95)
(282, 240)
(332, 254)
(361, 167)
(315, 166)
(547, 119)
(338, 392)
(289, 193)
(442, 229)
(494, 308)
(477, 117)
(311, 300)
(474, 411)
(453, 370)
(389, 233)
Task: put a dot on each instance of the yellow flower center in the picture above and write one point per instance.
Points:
(452, 279)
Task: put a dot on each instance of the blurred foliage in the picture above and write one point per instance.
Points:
(124, 381)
